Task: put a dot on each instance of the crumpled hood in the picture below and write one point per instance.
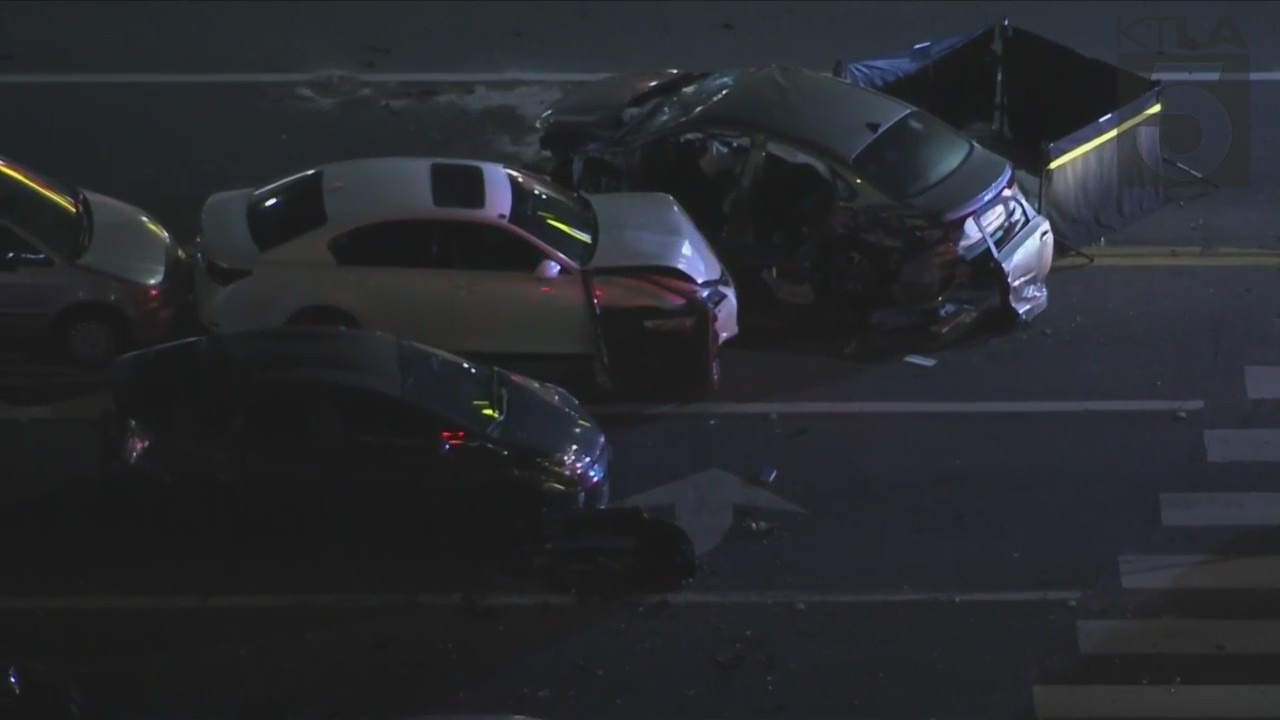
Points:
(126, 242)
(650, 230)
(602, 100)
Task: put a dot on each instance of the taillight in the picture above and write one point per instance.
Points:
(136, 442)
(222, 275)
(148, 296)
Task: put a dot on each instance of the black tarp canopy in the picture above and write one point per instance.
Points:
(1089, 130)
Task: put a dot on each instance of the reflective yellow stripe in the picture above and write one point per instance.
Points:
(62, 200)
(1108, 135)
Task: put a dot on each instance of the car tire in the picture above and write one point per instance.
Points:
(323, 317)
(91, 339)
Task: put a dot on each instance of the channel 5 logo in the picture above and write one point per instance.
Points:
(1204, 65)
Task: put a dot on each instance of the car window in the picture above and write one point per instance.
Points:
(43, 207)
(490, 248)
(12, 243)
(277, 421)
(912, 155)
(287, 209)
(448, 387)
(556, 217)
(416, 244)
(369, 416)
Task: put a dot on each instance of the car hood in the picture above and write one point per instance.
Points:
(602, 100)
(650, 230)
(126, 242)
(546, 420)
(975, 182)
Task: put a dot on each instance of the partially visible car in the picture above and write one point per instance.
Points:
(476, 258)
(802, 179)
(90, 274)
(352, 425)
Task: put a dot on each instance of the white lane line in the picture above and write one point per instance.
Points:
(1178, 637)
(1262, 382)
(1216, 76)
(1253, 445)
(180, 602)
(1200, 572)
(1058, 702)
(1219, 509)
(907, 408)
(279, 78)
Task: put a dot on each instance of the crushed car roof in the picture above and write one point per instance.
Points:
(828, 114)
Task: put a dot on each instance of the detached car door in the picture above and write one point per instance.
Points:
(404, 277)
(505, 308)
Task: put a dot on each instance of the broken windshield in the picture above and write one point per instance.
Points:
(670, 110)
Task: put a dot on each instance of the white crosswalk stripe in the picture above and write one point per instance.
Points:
(1147, 666)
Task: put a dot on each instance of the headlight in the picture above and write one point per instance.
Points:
(580, 469)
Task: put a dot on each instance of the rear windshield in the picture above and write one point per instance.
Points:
(447, 386)
(912, 155)
(46, 209)
(287, 209)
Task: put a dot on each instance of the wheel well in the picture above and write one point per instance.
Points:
(95, 310)
(323, 314)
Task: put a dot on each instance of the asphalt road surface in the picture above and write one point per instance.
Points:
(935, 556)
(977, 554)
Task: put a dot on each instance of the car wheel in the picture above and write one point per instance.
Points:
(91, 340)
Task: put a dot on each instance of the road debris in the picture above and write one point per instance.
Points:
(767, 475)
(1180, 415)
(920, 360)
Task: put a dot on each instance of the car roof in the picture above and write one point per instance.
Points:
(371, 189)
(808, 108)
(354, 358)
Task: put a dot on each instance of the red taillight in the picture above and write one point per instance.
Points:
(222, 275)
(453, 438)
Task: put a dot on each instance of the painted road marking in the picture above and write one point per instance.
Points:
(442, 77)
(1252, 445)
(1200, 572)
(1219, 509)
(1178, 637)
(690, 599)
(1262, 382)
(906, 408)
(704, 504)
(1055, 702)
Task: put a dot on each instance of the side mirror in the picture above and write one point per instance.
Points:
(547, 270)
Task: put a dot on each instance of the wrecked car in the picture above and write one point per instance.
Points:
(476, 258)
(819, 191)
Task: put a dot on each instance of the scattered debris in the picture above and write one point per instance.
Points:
(920, 360)
(758, 527)
(1180, 415)
(767, 475)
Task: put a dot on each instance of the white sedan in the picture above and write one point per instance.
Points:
(472, 257)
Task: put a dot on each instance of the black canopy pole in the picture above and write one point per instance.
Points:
(999, 124)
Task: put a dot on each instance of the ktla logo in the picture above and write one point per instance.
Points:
(1205, 118)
